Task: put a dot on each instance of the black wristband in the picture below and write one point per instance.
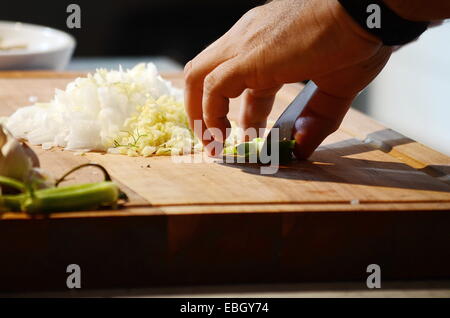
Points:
(391, 29)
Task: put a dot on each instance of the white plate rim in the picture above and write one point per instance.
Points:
(71, 42)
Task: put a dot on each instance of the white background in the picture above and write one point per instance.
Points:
(412, 94)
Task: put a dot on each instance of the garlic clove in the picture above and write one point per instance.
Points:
(16, 158)
(3, 138)
(15, 163)
(31, 154)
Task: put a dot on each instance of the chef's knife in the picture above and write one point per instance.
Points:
(286, 121)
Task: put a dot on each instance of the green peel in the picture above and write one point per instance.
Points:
(254, 148)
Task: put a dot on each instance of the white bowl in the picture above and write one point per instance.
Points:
(33, 47)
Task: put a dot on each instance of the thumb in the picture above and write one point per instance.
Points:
(321, 117)
(329, 105)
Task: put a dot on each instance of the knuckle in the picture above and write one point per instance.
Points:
(188, 67)
(210, 83)
(208, 118)
(253, 12)
(210, 121)
(189, 74)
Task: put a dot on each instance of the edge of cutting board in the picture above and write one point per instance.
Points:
(246, 243)
(404, 153)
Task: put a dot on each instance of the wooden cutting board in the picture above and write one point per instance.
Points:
(191, 211)
(343, 170)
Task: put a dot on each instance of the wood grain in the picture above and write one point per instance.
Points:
(343, 169)
(367, 195)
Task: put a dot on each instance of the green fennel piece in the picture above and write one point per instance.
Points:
(254, 147)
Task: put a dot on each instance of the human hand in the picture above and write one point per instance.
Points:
(284, 42)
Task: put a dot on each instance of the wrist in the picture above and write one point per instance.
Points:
(378, 19)
(348, 24)
(406, 9)
(420, 10)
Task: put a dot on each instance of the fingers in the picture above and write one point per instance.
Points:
(193, 95)
(195, 72)
(255, 108)
(328, 107)
(322, 117)
(226, 81)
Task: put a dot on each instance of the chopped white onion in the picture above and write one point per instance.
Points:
(134, 112)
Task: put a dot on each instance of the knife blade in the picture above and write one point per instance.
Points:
(285, 123)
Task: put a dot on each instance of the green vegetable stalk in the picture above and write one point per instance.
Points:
(24, 187)
(254, 148)
(90, 196)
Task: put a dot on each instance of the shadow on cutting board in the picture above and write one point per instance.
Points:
(367, 162)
